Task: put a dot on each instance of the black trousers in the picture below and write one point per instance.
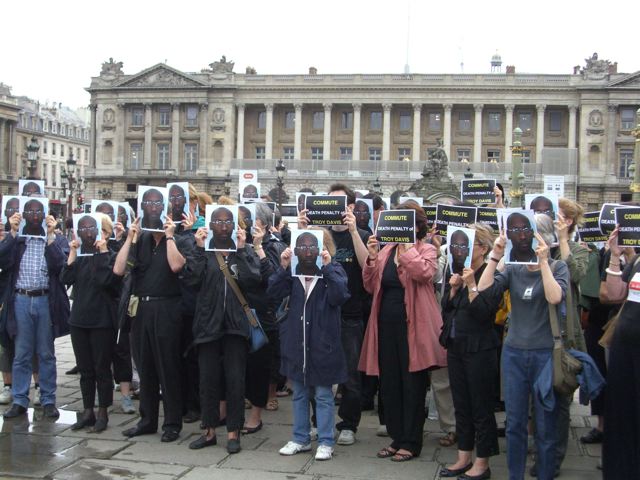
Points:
(350, 411)
(403, 392)
(93, 348)
(472, 377)
(159, 335)
(122, 369)
(598, 317)
(258, 375)
(189, 368)
(228, 354)
(621, 446)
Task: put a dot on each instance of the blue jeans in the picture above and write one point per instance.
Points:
(34, 335)
(325, 413)
(520, 370)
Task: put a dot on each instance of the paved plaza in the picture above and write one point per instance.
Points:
(40, 448)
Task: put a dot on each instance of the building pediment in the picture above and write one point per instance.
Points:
(160, 76)
(629, 81)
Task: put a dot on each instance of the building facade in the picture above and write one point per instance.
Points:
(162, 124)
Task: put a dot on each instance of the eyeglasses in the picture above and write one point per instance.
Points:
(33, 212)
(175, 197)
(458, 246)
(152, 203)
(87, 229)
(546, 212)
(520, 230)
(360, 214)
(221, 222)
(307, 249)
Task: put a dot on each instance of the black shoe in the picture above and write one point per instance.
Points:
(137, 431)
(450, 472)
(502, 432)
(15, 411)
(50, 411)
(169, 436)
(88, 419)
(594, 436)
(250, 430)
(233, 445)
(483, 476)
(100, 425)
(73, 371)
(191, 417)
(202, 442)
(533, 471)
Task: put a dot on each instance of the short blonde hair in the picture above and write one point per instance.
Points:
(572, 210)
(105, 223)
(484, 236)
(327, 240)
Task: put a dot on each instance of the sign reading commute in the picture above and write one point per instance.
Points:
(396, 226)
(325, 210)
(477, 191)
(628, 221)
(453, 215)
(489, 216)
(430, 212)
(607, 218)
(590, 230)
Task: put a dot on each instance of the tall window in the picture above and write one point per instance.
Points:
(464, 121)
(262, 120)
(137, 117)
(260, 153)
(190, 157)
(435, 122)
(493, 155)
(318, 120)
(555, 121)
(346, 153)
(45, 126)
(54, 127)
(526, 156)
(163, 156)
(463, 153)
(135, 156)
(44, 174)
(375, 120)
(524, 121)
(287, 153)
(289, 120)
(61, 150)
(375, 153)
(54, 175)
(626, 157)
(627, 118)
(63, 130)
(53, 148)
(44, 147)
(164, 114)
(346, 120)
(317, 153)
(192, 116)
(405, 121)
(404, 153)
(494, 122)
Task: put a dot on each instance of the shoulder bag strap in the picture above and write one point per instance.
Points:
(553, 314)
(234, 286)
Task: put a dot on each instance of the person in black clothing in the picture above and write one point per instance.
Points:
(31, 189)
(459, 250)
(222, 226)
(123, 217)
(363, 215)
(307, 251)
(159, 258)
(107, 209)
(93, 330)
(473, 362)
(88, 233)
(12, 206)
(153, 207)
(220, 332)
(621, 445)
(34, 217)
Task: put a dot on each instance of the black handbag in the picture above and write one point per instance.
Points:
(257, 337)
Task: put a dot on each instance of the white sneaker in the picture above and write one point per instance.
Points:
(324, 452)
(382, 431)
(346, 437)
(5, 396)
(36, 396)
(291, 448)
(313, 433)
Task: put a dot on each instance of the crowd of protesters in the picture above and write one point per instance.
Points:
(390, 320)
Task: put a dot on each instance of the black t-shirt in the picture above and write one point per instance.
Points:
(392, 307)
(152, 274)
(628, 329)
(346, 256)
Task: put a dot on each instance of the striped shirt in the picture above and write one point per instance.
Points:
(33, 274)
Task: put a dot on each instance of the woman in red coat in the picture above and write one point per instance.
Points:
(401, 341)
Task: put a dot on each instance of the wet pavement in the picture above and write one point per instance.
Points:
(36, 447)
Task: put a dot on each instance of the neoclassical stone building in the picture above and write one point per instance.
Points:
(162, 123)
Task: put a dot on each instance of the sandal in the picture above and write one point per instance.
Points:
(386, 452)
(402, 457)
(272, 405)
(448, 440)
(284, 392)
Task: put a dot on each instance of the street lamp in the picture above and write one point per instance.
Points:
(281, 172)
(517, 175)
(69, 175)
(377, 188)
(633, 168)
(467, 171)
(32, 157)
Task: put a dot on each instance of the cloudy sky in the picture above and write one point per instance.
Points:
(56, 47)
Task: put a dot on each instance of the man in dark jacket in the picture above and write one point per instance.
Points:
(38, 311)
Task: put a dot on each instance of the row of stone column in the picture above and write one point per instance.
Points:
(8, 138)
(386, 130)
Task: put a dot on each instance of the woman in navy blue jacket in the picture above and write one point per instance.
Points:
(311, 350)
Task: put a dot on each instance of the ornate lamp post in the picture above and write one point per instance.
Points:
(32, 157)
(468, 173)
(633, 168)
(69, 175)
(517, 175)
(281, 172)
(377, 188)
